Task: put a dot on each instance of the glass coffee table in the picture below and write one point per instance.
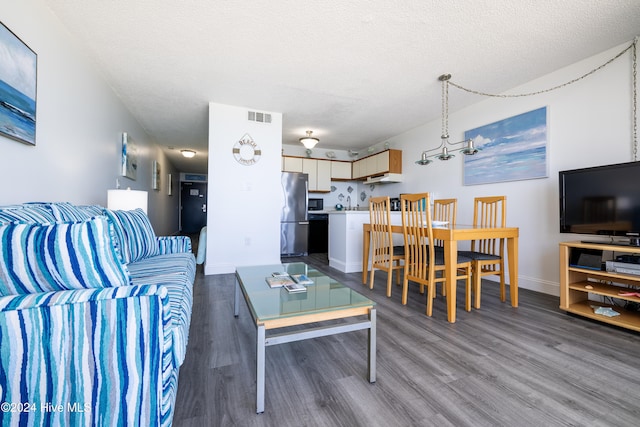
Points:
(276, 308)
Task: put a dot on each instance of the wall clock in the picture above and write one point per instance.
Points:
(246, 151)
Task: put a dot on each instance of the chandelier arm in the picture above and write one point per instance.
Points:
(518, 95)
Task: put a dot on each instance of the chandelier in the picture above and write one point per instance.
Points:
(466, 146)
(443, 151)
(309, 141)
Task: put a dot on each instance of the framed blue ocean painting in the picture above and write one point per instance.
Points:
(512, 149)
(18, 80)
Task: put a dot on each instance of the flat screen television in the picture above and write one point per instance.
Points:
(602, 200)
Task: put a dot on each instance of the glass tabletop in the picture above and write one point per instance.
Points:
(325, 294)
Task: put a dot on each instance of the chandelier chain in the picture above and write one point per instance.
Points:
(445, 109)
(518, 95)
(635, 100)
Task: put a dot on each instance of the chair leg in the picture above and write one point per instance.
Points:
(503, 293)
(430, 296)
(405, 289)
(389, 279)
(477, 283)
(373, 270)
(467, 298)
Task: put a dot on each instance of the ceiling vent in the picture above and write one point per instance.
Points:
(254, 116)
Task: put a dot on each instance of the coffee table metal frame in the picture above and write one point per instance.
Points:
(302, 318)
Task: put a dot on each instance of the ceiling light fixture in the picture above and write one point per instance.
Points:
(188, 153)
(309, 141)
(465, 147)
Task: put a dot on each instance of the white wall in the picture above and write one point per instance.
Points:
(589, 123)
(244, 229)
(78, 128)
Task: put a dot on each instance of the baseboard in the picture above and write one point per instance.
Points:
(353, 267)
(533, 284)
(210, 268)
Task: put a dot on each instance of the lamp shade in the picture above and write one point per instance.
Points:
(127, 200)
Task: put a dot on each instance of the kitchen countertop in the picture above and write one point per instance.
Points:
(345, 211)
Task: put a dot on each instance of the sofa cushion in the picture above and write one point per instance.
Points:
(65, 211)
(59, 256)
(35, 213)
(135, 237)
(176, 272)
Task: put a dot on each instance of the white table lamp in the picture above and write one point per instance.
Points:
(127, 200)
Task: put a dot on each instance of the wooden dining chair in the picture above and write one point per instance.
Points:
(444, 210)
(423, 263)
(488, 254)
(384, 256)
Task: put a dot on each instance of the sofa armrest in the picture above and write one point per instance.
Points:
(173, 244)
(88, 357)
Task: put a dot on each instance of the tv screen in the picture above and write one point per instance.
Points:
(602, 200)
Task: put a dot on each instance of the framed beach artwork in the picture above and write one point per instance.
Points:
(18, 80)
(511, 149)
(129, 165)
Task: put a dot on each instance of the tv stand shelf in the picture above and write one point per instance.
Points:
(577, 283)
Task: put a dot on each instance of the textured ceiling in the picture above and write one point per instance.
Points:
(355, 72)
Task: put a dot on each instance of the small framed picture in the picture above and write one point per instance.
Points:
(155, 178)
(129, 157)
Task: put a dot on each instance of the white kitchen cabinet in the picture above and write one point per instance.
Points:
(356, 169)
(292, 164)
(386, 161)
(324, 176)
(319, 172)
(340, 170)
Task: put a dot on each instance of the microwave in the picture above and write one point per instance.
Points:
(316, 204)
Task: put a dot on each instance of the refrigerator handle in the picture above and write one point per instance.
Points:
(303, 223)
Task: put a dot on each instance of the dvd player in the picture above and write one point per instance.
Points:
(623, 267)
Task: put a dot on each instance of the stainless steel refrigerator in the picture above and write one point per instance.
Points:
(294, 224)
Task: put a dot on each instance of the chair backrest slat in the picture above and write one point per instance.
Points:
(445, 210)
(381, 235)
(418, 236)
(489, 212)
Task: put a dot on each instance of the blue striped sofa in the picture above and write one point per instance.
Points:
(94, 316)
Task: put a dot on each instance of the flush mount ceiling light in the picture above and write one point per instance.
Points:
(188, 153)
(465, 147)
(309, 141)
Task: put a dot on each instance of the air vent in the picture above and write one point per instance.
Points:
(259, 117)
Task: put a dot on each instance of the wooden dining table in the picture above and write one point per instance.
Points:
(451, 235)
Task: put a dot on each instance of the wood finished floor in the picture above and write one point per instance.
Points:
(497, 366)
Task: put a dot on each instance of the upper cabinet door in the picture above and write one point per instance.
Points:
(292, 164)
(340, 170)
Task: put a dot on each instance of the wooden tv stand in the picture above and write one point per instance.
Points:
(574, 294)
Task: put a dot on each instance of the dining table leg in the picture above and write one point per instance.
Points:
(512, 254)
(450, 262)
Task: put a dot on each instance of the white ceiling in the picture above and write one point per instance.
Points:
(355, 72)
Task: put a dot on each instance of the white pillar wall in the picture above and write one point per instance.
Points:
(245, 199)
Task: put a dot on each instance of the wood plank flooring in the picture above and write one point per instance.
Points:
(497, 366)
